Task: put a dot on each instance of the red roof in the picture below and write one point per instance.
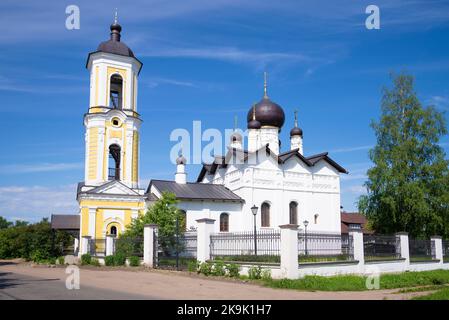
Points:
(348, 218)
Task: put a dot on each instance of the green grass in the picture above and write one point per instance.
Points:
(421, 289)
(358, 283)
(442, 294)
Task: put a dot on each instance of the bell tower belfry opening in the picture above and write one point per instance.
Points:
(110, 191)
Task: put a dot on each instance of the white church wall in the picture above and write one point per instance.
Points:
(208, 209)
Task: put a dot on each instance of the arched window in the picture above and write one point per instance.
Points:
(183, 220)
(265, 215)
(224, 222)
(114, 162)
(293, 212)
(116, 92)
(114, 230)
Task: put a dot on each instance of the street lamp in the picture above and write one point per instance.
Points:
(254, 210)
(306, 223)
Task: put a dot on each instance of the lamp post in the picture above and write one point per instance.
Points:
(306, 223)
(254, 210)
(177, 242)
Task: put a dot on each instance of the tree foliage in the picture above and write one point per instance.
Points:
(164, 213)
(4, 223)
(408, 186)
(32, 241)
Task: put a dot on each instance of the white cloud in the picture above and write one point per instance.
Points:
(155, 82)
(440, 102)
(351, 149)
(39, 167)
(35, 202)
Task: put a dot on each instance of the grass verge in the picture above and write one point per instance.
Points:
(358, 283)
(442, 294)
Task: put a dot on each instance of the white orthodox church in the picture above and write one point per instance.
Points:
(286, 187)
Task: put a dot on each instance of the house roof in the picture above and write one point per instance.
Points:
(65, 221)
(195, 191)
(222, 161)
(348, 218)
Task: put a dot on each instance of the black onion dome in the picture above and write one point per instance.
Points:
(114, 45)
(181, 160)
(254, 124)
(296, 132)
(268, 113)
(236, 137)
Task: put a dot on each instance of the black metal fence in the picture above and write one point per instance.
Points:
(324, 247)
(175, 252)
(264, 246)
(129, 246)
(446, 250)
(96, 247)
(381, 247)
(421, 250)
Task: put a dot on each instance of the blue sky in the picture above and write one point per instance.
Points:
(204, 60)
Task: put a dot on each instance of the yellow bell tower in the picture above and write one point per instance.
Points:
(110, 195)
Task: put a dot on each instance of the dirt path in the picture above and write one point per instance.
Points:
(157, 284)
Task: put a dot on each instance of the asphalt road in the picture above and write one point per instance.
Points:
(15, 286)
(20, 280)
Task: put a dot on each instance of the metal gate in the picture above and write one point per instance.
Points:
(176, 251)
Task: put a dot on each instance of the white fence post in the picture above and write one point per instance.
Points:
(84, 244)
(110, 244)
(438, 243)
(405, 250)
(289, 251)
(359, 252)
(205, 228)
(76, 244)
(149, 245)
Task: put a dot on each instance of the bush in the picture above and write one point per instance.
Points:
(205, 268)
(266, 274)
(218, 269)
(233, 270)
(255, 272)
(193, 266)
(95, 262)
(86, 259)
(109, 261)
(61, 260)
(119, 259)
(134, 261)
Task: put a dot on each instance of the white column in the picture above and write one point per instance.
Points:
(438, 242)
(205, 228)
(110, 244)
(92, 221)
(289, 251)
(76, 245)
(357, 241)
(149, 245)
(181, 175)
(405, 252)
(84, 245)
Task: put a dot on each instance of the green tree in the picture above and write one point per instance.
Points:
(4, 223)
(164, 213)
(408, 186)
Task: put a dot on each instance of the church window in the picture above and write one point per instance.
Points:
(316, 218)
(116, 92)
(265, 215)
(114, 162)
(224, 222)
(115, 122)
(293, 212)
(114, 230)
